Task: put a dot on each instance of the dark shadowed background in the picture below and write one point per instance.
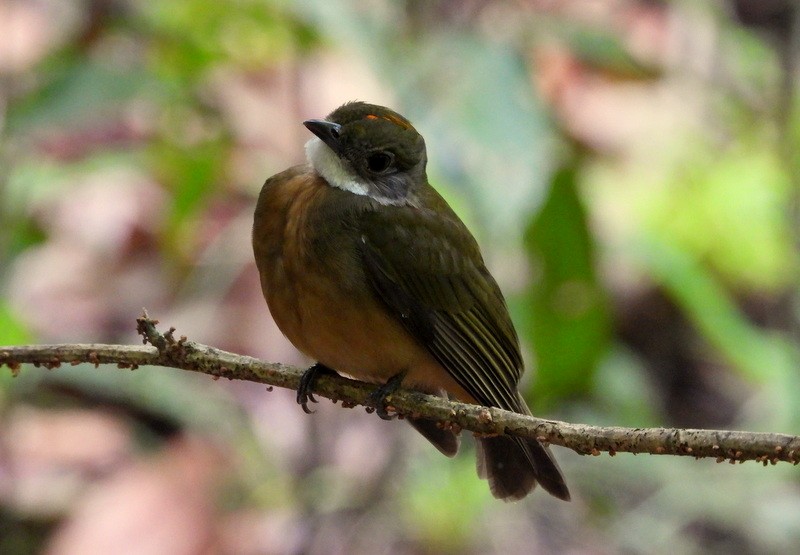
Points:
(629, 167)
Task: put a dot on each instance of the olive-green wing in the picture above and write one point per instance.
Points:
(428, 271)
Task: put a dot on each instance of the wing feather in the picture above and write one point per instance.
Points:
(428, 271)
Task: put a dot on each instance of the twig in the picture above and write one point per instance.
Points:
(165, 350)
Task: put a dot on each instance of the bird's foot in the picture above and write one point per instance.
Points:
(377, 398)
(304, 393)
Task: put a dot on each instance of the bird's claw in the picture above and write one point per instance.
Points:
(304, 390)
(377, 398)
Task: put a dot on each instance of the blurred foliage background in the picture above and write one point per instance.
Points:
(630, 168)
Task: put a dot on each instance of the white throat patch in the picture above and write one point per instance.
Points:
(326, 163)
(331, 168)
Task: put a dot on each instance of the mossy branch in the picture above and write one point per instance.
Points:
(164, 350)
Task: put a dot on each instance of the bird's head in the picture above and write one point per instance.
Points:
(368, 150)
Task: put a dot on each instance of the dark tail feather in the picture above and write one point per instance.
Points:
(445, 441)
(548, 473)
(514, 465)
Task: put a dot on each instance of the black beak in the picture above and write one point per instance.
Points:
(327, 131)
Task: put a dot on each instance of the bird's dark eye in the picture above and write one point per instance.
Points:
(379, 162)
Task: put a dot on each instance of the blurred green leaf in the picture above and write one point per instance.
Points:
(12, 330)
(623, 393)
(443, 517)
(604, 51)
(487, 136)
(760, 356)
(79, 92)
(189, 36)
(191, 173)
(20, 233)
(570, 320)
(729, 208)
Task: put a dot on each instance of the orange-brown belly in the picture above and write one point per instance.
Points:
(341, 329)
(320, 298)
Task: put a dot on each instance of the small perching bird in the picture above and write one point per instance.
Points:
(367, 270)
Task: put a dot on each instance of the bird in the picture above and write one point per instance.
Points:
(367, 270)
